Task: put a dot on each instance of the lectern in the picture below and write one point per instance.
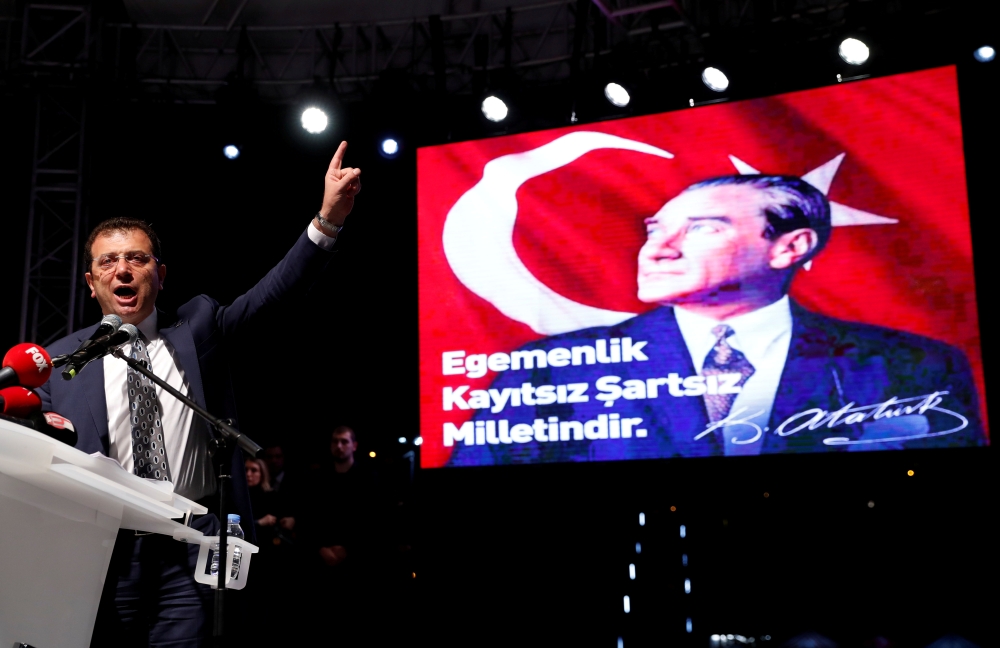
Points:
(60, 511)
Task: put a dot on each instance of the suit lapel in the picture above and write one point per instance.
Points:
(92, 379)
(178, 335)
(684, 417)
(807, 382)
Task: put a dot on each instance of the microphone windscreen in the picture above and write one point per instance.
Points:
(113, 321)
(20, 401)
(31, 363)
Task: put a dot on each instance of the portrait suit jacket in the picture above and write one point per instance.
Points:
(830, 365)
(200, 335)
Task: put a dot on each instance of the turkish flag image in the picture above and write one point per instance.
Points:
(529, 236)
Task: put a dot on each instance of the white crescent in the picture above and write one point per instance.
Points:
(478, 237)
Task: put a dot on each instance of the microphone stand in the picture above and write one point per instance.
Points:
(222, 447)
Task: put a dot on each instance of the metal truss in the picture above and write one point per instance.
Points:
(55, 48)
(547, 42)
(538, 43)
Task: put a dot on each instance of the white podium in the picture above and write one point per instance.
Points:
(60, 511)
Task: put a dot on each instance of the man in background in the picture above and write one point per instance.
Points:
(343, 525)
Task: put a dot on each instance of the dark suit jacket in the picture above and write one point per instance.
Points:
(200, 335)
(830, 365)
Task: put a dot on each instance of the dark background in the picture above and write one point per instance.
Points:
(848, 545)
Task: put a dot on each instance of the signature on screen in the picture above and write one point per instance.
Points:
(870, 416)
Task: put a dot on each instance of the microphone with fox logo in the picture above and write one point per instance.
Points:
(26, 364)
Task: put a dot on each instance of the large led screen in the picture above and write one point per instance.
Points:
(780, 275)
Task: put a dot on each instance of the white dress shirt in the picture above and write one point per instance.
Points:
(763, 336)
(185, 436)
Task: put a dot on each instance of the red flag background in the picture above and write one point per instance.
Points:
(579, 228)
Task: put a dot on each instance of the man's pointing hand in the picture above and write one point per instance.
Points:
(342, 185)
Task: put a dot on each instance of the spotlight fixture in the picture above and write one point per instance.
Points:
(389, 147)
(494, 109)
(231, 151)
(314, 120)
(617, 95)
(985, 54)
(853, 51)
(714, 79)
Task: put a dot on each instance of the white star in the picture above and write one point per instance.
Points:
(821, 177)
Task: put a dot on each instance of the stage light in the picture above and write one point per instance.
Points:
(766, 494)
(628, 604)
(314, 120)
(231, 151)
(714, 79)
(673, 509)
(910, 473)
(689, 626)
(684, 531)
(402, 439)
(494, 109)
(418, 441)
(871, 503)
(985, 54)
(617, 95)
(372, 454)
(687, 585)
(638, 547)
(853, 51)
(389, 147)
(642, 519)
(684, 559)
(631, 571)
(715, 637)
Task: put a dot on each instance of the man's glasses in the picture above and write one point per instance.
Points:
(135, 259)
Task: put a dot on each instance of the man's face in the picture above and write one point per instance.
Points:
(706, 245)
(342, 447)
(125, 289)
(275, 459)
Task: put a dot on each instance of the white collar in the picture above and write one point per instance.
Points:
(753, 333)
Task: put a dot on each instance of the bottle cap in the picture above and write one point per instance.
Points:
(233, 518)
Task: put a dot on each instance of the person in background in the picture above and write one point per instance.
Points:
(343, 532)
(267, 601)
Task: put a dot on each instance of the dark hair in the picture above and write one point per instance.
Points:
(342, 429)
(794, 204)
(119, 224)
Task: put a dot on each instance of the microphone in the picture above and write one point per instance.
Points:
(25, 364)
(108, 325)
(19, 401)
(99, 348)
(24, 407)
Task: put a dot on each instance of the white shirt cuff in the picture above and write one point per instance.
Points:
(319, 238)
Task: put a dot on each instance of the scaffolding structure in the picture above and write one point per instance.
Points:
(55, 53)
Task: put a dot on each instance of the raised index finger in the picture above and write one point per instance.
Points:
(338, 157)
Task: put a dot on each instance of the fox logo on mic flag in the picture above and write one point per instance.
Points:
(534, 235)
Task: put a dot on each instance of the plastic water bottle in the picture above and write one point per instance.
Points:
(233, 530)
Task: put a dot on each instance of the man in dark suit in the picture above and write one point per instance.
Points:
(728, 365)
(150, 597)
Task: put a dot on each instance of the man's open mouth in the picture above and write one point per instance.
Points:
(125, 292)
